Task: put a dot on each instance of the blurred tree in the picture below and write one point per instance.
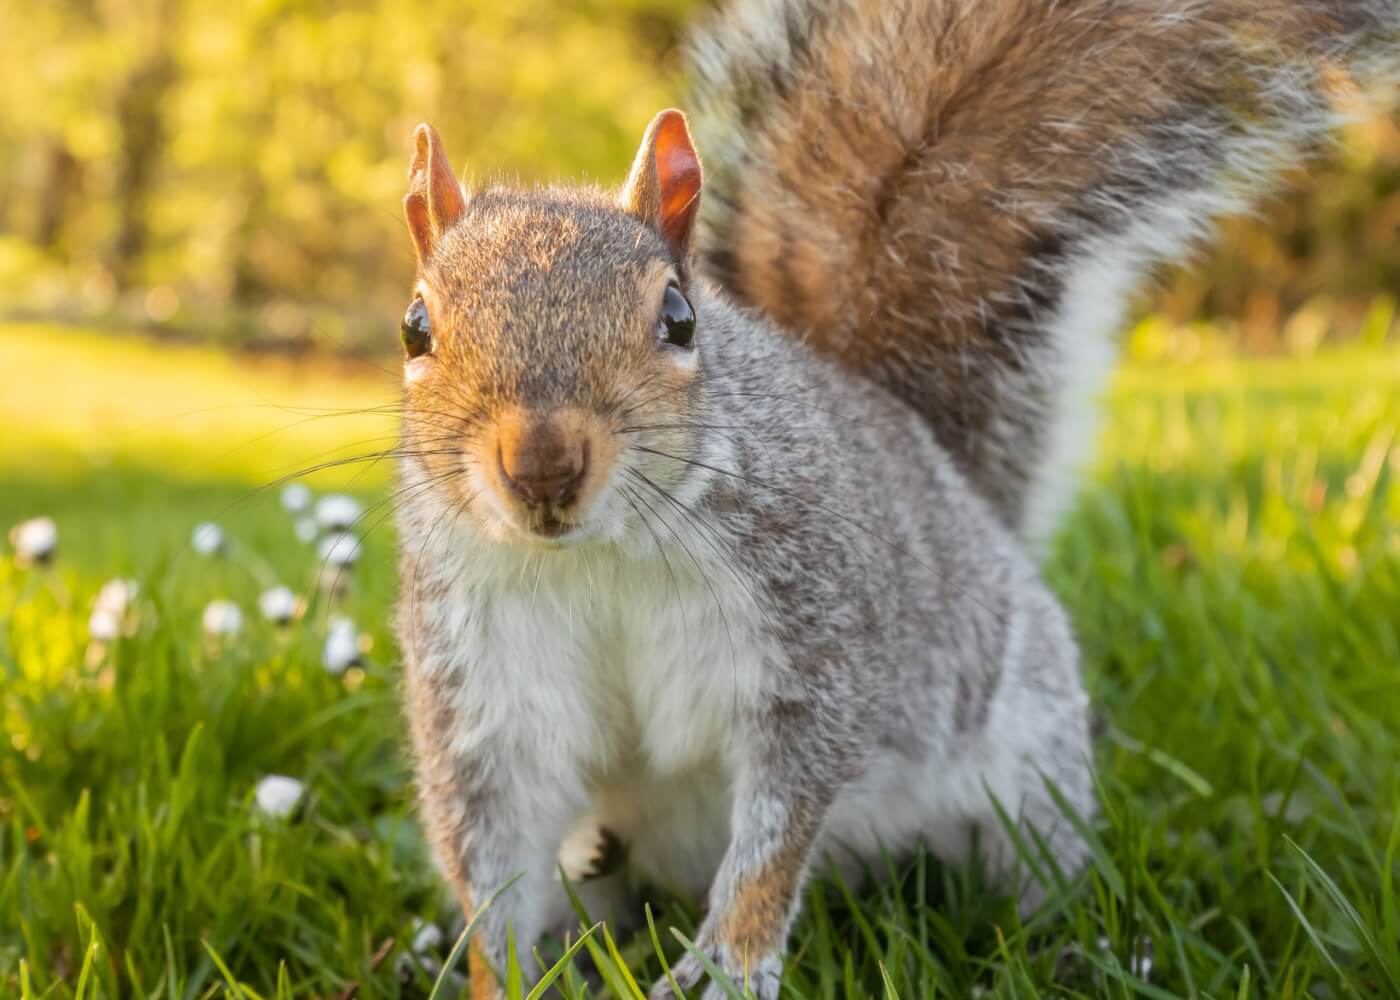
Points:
(61, 182)
(140, 113)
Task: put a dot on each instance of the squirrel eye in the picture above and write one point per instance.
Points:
(677, 323)
(417, 331)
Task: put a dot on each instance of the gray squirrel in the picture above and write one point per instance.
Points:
(720, 494)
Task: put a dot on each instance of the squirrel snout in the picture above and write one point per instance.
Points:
(541, 462)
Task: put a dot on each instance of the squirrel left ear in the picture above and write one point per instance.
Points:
(435, 198)
(663, 189)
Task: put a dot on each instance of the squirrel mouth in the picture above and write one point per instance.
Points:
(546, 525)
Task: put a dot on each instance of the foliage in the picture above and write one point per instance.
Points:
(235, 169)
(1233, 571)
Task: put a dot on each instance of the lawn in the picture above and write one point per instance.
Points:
(1233, 570)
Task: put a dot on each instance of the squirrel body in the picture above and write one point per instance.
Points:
(714, 523)
(734, 670)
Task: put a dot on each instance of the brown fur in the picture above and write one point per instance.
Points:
(754, 922)
(437, 787)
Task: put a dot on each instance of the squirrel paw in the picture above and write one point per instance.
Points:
(760, 979)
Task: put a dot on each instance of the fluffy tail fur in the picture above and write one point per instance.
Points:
(957, 196)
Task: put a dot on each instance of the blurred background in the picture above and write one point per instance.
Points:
(232, 171)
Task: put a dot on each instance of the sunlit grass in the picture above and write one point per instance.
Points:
(1233, 571)
(76, 399)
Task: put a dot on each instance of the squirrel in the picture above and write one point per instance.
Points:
(669, 573)
(719, 493)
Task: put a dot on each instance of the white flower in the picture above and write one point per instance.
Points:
(426, 937)
(103, 626)
(208, 539)
(222, 618)
(278, 795)
(296, 497)
(116, 595)
(342, 646)
(337, 512)
(307, 529)
(278, 604)
(340, 549)
(109, 609)
(34, 540)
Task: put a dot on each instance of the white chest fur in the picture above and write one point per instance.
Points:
(608, 665)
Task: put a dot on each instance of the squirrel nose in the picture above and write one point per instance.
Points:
(542, 465)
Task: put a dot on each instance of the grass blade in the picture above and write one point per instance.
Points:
(890, 992)
(1333, 893)
(455, 955)
(661, 955)
(559, 966)
(1311, 931)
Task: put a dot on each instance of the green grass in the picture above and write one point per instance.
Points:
(1233, 571)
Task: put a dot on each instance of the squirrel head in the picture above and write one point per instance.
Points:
(551, 347)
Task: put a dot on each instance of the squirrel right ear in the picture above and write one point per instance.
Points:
(663, 189)
(435, 198)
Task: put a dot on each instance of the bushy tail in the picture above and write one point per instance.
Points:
(957, 198)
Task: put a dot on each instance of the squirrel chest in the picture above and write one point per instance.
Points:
(612, 661)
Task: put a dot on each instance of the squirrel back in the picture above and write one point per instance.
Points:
(957, 199)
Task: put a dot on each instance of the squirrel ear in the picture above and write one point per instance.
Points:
(435, 198)
(663, 189)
